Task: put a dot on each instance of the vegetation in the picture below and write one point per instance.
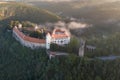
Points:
(13, 24)
(103, 15)
(28, 24)
(20, 63)
(72, 47)
(24, 24)
(108, 45)
(38, 34)
(22, 12)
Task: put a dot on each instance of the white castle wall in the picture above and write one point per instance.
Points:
(49, 40)
(32, 45)
(61, 41)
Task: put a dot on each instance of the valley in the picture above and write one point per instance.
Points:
(94, 23)
(103, 15)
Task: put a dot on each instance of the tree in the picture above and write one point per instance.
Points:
(37, 34)
(13, 24)
(28, 24)
(73, 46)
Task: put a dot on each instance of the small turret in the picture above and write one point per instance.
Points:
(36, 27)
(19, 26)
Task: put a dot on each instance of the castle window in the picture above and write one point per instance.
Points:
(61, 41)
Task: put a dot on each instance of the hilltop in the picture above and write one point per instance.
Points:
(104, 17)
(104, 14)
(22, 12)
(18, 62)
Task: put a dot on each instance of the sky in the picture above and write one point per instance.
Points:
(70, 0)
(39, 0)
(56, 0)
(67, 0)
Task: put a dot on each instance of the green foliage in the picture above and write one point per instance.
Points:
(27, 24)
(13, 24)
(72, 47)
(21, 63)
(55, 47)
(19, 11)
(104, 46)
(24, 24)
(103, 15)
(38, 34)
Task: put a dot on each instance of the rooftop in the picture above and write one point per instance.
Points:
(59, 33)
(27, 38)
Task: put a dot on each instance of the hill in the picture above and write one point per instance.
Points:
(104, 17)
(20, 63)
(22, 12)
(104, 14)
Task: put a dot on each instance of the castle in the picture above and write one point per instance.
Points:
(58, 36)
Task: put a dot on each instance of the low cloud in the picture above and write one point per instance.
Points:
(77, 25)
(70, 25)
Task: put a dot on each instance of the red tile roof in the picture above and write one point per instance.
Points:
(62, 34)
(59, 30)
(59, 36)
(27, 38)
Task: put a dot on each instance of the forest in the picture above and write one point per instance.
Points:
(103, 15)
(18, 62)
(21, 63)
(24, 12)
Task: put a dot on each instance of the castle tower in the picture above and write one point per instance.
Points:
(48, 40)
(81, 49)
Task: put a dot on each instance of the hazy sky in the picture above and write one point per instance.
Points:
(70, 0)
(53, 0)
(58, 0)
(39, 0)
(66, 0)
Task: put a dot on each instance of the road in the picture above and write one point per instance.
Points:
(112, 57)
(108, 57)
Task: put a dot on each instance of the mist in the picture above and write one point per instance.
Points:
(71, 25)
